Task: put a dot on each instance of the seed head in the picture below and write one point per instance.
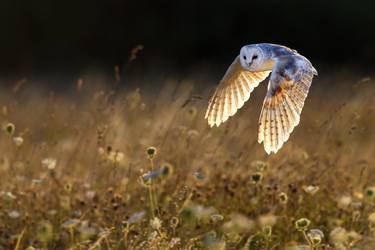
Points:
(315, 236)
(14, 214)
(166, 170)
(44, 231)
(283, 197)
(267, 231)
(311, 189)
(18, 141)
(256, 178)
(49, 163)
(215, 218)
(174, 222)
(115, 156)
(370, 192)
(302, 224)
(257, 241)
(151, 152)
(155, 223)
(146, 180)
(344, 201)
(68, 187)
(260, 166)
(9, 128)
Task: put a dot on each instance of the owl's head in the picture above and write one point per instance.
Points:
(251, 57)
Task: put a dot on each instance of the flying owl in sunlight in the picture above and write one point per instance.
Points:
(288, 86)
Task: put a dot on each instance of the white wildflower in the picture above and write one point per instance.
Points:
(18, 141)
(49, 163)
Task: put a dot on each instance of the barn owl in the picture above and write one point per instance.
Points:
(288, 86)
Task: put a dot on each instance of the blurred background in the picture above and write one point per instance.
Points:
(66, 38)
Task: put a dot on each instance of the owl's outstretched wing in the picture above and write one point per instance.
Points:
(287, 90)
(232, 92)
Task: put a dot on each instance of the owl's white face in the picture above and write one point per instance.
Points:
(251, 58)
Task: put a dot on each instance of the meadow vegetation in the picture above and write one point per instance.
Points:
(95, 167)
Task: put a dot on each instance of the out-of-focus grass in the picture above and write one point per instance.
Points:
(75, 171)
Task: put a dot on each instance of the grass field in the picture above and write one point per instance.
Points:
(75, 169)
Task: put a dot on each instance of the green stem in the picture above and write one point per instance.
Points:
(71, 231)
(307, 239)
(153, 199)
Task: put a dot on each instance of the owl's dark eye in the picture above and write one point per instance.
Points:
(244, 57)
(255, 57)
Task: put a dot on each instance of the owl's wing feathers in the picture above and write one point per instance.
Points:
(232, 92)
(287, 90)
